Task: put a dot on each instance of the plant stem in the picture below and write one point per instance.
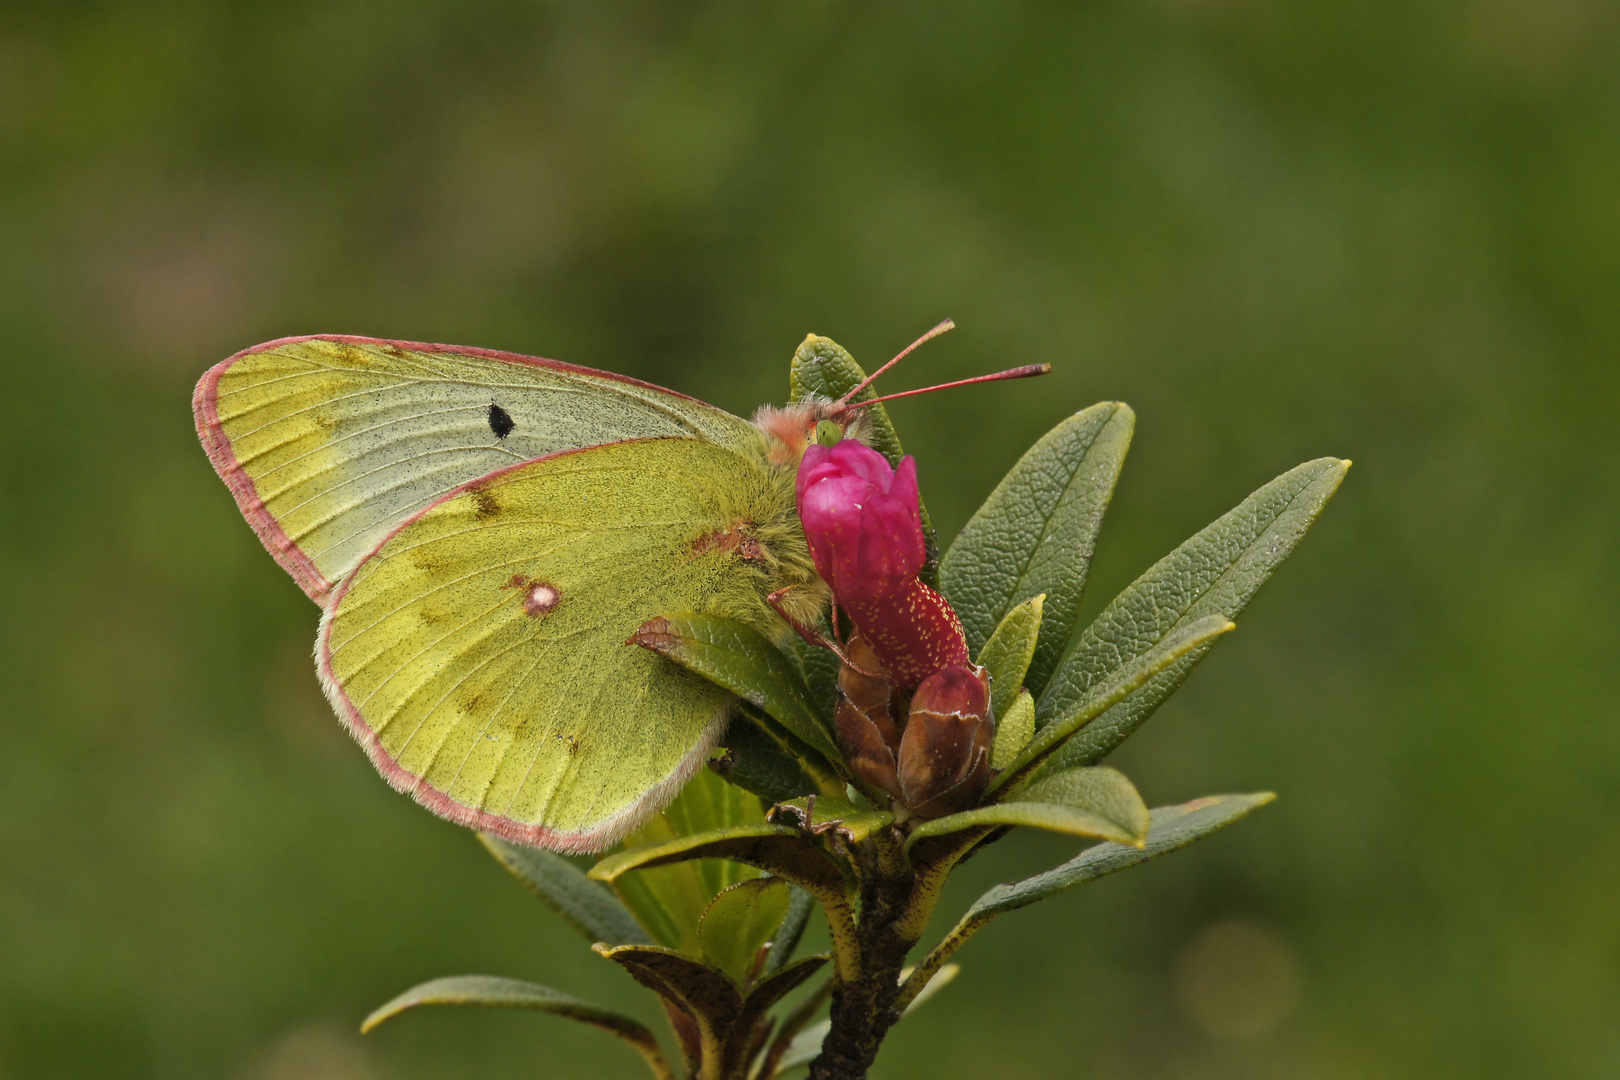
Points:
(863, 1006)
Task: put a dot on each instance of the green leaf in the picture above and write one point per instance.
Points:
(1096, 801)
(1014, 731)
(1173, 827)
(1037, 531)
(1008, 652)
(564, 888)
(1215, 573)
(820, 667)
(698, 988)
(491, 991)
(670, 901)
(744, 661)
(759, 756)
(786, 941)
(820, 814)
(777, 849)
(821, 366)
(738, 924)
(1125, 680)
(1098, 789)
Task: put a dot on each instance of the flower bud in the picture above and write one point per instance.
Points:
(864, 526)
(867, 732)
(944, 759)
(861, 519)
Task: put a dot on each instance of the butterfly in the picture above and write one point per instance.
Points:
(485, 531)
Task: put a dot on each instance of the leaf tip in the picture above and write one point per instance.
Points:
(653, 634)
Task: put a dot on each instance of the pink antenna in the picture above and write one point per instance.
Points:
(948, 324)
(1027, 371)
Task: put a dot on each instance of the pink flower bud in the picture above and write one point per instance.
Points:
(944, 761)
(864, 528)
(861, 519)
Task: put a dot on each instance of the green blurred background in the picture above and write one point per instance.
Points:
(1383, 229)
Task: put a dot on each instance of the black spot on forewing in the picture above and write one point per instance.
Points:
(500, 421)
(485, 505)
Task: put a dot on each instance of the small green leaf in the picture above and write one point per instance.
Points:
(819, 814)
(700, 989)
(1014, 731)
(742, 660)
(1215, 573)
(759, 757)
(777, 849)
(738, 924)
(1099, 790)
(491, 991)
(1173, 827)
(1049, 816)
(823, 367)
(670, 901)
(1122, 682)
(939, 981)
(1007, 654)
(740, 1046)
(786, 941)
(1037, 531)
(564, 888)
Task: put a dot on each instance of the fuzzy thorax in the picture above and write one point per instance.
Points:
(789, 429)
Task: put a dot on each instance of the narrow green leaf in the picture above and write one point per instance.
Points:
(758, 756)
(701, 989)
(823, 367)
(786, 941)
(563, 887)
(818, 814)
(937, 982)
(820, 667)
(1014, 731)
(1215, 573)
(1008, 652)
(1037, 531)
(738, 924)
(491, 991)
(1049, 816)
(670, 901)
(1173, 827)
(1097, 789)
(744, 661)
(777, 849)
(740, 1045)
(1120, 684)
(708, 803)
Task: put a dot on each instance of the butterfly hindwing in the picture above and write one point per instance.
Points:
(480, 654)
(329, 442)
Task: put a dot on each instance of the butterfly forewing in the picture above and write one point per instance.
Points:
(330, 442)
(480, 653)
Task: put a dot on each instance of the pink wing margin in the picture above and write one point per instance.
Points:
(205, 408)
(610, 832)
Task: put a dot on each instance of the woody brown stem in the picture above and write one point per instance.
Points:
(863, 1006)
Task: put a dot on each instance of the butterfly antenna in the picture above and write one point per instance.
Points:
(1027, 371)
(947, 325)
